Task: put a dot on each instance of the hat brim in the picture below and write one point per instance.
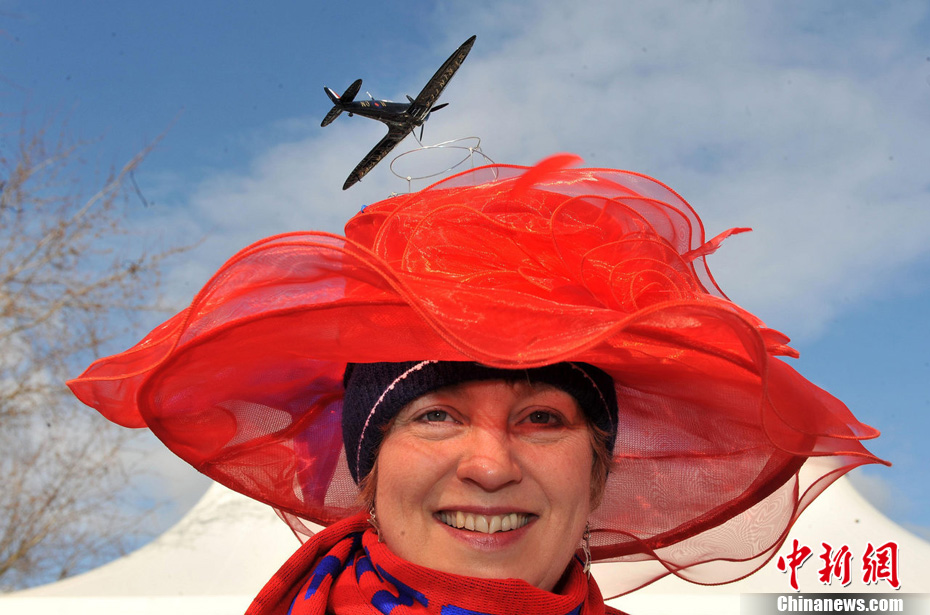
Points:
(246, 384)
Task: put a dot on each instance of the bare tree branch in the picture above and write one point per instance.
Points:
(67, 287)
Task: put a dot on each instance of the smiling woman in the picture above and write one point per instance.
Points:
(446, 489)
(485, 387)
(488, 478)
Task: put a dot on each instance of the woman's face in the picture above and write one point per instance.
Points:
(487, 479)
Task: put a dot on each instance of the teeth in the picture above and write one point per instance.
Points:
(506, 524)
(481, 524)
(485, 524)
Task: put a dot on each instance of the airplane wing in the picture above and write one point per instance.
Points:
(434, 87)
(394, 136)
(418, 110)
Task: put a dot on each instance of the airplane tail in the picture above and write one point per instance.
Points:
(340, 101)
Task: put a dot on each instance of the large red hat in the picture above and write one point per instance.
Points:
(720, 444)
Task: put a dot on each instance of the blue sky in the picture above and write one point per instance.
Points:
(805, 120)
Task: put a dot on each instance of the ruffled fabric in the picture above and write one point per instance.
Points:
(721, 444)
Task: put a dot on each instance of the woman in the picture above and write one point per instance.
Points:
(539, 347)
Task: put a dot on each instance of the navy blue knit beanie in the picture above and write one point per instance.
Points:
(376, 392)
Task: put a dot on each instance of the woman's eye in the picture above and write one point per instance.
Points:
(435, 416)
(541, 417)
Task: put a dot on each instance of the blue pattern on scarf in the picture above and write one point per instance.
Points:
(328, 566)
(384, 601)
(451, 609)
(363, 565)
(405, 594)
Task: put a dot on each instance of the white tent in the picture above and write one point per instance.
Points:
(213, 561)
(222, 552)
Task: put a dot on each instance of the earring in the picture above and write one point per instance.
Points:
(373, 521)
(586, 547)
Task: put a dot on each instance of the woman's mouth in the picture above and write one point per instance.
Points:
(485, 524)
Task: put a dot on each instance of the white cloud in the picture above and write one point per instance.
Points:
(823, 159)
(752, 114)
(806, 121)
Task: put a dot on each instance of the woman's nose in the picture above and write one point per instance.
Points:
(488, 460)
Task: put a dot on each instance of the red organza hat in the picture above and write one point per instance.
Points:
(720, 446)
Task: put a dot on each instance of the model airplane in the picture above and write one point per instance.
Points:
(401, 118)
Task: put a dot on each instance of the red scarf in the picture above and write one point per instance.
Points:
(345, 570)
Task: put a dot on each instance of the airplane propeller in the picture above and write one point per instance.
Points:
(423, 125)
(401, 119)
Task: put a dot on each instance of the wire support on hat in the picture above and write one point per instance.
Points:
(717, 438)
